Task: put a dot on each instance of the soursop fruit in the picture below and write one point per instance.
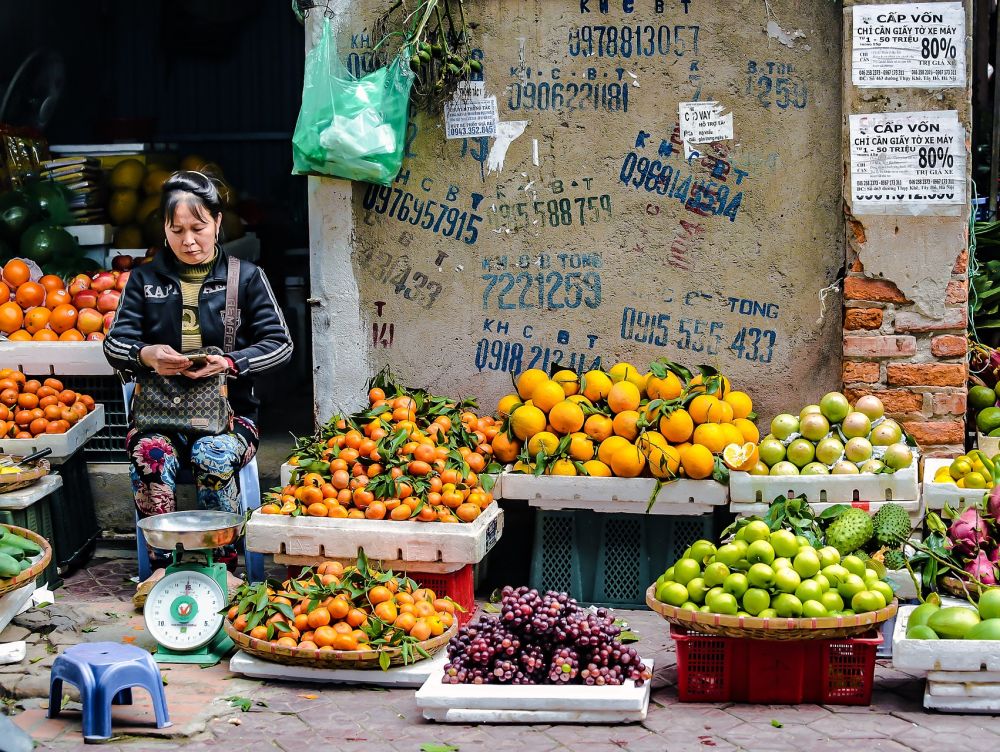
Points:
(894, 559)
(850, 531)
(891, 524)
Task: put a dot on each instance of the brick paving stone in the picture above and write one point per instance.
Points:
(923, 739)
(784, 713)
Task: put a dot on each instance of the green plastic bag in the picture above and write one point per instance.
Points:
(353, 128)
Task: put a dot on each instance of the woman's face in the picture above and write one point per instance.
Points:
(192, 236)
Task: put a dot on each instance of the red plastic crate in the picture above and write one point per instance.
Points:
(457, 585)
(788, 672)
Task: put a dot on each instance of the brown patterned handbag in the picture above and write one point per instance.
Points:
(194, 407)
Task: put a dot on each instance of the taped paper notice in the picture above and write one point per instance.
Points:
(470, 113)
(919, 45)
(908, 163)
(703, 123)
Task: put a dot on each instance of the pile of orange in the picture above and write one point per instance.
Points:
(665, 422)
(342, 608)
(29, 407)
(409, 456)
(42, 311)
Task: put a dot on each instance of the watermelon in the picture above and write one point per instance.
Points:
(17, 213)
(45, 242)
(52, 201)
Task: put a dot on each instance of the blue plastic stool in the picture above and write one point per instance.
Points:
(249, 483)
(105, 673)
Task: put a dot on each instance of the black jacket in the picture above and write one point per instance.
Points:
(149, 313)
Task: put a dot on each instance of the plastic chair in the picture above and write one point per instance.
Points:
(249, 484)
(105, 673)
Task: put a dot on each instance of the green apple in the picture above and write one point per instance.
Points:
(760, 551)
(722, 603)
(787, 580)
(672, 593)
(686, 570)
(755, 531)
(696, 589)
(784, 543)
(832, 601)
(767, 613)
(807, 562)
(781, 562)
(850, 587)
(835, 573)
(813, 609)
(756, 600)
(736, 584)
(886, 590)
(715, 573)
(854, 565)
(701, 550)
(787, 605)
(809, 590)
(828, 555)
(867, 600)
(821, 579)
(728, 554)
(760, 575)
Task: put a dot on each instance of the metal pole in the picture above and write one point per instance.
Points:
(995, 145)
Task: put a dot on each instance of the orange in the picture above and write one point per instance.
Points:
(595, 385)
(700, 406)
(581, 447)
(740, 456)
(63, 317)
(667, 388)
(339, 608)
(710, 435)
(663, 459)
(468, 512)
(625, 424)
(259, 633)
(21, 335)
(45, 335)
(52, 282)
(29, 294)
(37, 318)
(566, 417)
(677, 427)
(747, 429)
(386, 612)
(356, 617)
(697, 461)
(732, 434)
(318, 617)
(543, 441)
(720, 412)
(740, 402)
(507, 404)
(405, 622)
(345, 642)
(597, 469)
(16, 272)
(568, 380)
(525, 421)
(56, 298)
(505, 449)
(324, 636)
(609, 447)
(287, 642)
(528, 380)
(421, 630)
(628, 461)
(11, 316)
(623, 396)
(547, 395)
(379, 594)
(598, 427)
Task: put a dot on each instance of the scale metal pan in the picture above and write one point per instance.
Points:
(192, 531)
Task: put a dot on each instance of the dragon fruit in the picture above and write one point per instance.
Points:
(982, 569)
(993, 505)
(968, 532)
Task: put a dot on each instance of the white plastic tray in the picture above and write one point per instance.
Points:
(937, 494)
(413, 675)
(614, 494)
(841, 489)
(23, 498)
(63, 445)
(498, 703)
(307, 540)
(46, 359)
(941, 655)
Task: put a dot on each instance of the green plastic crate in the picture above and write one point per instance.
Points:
(38, 519)
(609, 559)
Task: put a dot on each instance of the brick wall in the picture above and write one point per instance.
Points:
(914, 364)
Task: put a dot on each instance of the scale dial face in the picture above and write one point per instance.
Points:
(182, 610)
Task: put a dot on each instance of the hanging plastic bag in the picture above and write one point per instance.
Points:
(353, 128)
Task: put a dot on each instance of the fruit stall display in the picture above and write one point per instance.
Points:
(30, 408)
(335, 616)
(24, 556)
(983, 409)
(832, 451)
(958, 481)
(46, 309)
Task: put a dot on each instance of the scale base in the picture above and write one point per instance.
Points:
(221, 646)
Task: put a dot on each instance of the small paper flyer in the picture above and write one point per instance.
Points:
(703, 123)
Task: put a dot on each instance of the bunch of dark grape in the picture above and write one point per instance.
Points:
(539, 639)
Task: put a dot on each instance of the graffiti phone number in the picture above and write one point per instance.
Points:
(697, 335)
(509, 357)
(626, 41)
(612, 97)
(554, 212)
(577, 288)
(396, 272)
(698, 196)
(405, 207)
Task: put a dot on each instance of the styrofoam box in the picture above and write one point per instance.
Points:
(91, 234)
(936, 495)
(914, 509)
(841, 489)
(947, 704)
(988, 444)
(964, 684)
(285, 477)
(902, 584)
(941, 655)
(499, 703)
(613, 494)
(63, 445)
(56, 358)
(12, 603)
(413, 675)
(305, 540)
(23, 498)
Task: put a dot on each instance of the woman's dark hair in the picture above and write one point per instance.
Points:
(195, 189)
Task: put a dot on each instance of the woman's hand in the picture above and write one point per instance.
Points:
(214, 364)
(164, 359)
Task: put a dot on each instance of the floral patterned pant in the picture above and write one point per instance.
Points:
(215, 462)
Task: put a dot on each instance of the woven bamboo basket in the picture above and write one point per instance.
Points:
(23, 479)
(954, 586)
(331, 659)
(722, 625)
(35, 569)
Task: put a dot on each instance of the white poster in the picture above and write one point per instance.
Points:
(908, 163)
(919, 45)
(470, 113)
(703, 123)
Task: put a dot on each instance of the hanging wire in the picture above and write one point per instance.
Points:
(301, 8)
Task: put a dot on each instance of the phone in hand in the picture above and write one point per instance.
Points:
(198, 361)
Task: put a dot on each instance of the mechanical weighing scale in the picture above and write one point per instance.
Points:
(183, 610)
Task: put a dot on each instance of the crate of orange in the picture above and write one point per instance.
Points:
(623, 440)
(40, 413)
(353, 617)
(409, 479)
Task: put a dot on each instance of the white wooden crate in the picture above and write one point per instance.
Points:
(914, 509)
(632, 495)
(285, 477)
(46, 359)
(941, 655)
(63, 445)
(499, 703)
(308, 540)
(936, 495)
(413, 675)
(839, 489)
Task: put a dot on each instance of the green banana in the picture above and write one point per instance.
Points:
(8, 567)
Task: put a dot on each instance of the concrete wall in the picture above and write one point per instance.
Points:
(906, 292)
(583, 255)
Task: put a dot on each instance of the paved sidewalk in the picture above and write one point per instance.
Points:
(298, 717)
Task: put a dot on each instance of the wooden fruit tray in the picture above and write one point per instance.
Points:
(35, 569)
